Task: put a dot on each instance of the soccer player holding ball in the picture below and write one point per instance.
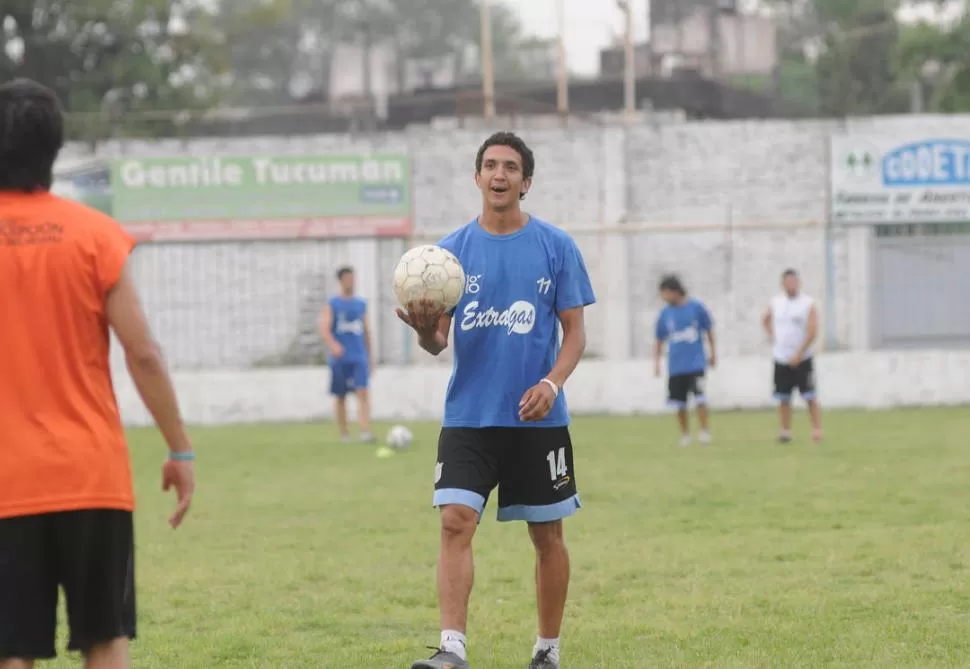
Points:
(506, 420)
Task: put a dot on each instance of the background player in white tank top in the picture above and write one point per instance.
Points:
(792, 324)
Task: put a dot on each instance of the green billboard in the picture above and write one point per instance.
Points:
(88, 183)
(256, 196)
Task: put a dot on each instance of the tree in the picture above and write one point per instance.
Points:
(841, 55)
(674, 11)
(275, 43)
(105, 56)
(936, 60)
(855, 71)
(436, 29)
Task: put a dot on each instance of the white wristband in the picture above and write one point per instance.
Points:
(555, 388)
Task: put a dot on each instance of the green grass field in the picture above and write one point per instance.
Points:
(302, 552)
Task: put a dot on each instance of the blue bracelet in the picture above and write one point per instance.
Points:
(181, 456)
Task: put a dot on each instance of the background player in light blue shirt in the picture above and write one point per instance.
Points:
(346, 333)
(506, 419)
(682, 325)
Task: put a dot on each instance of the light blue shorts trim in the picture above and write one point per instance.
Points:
(458, 496)
(810, 396)
(541, 514)
(547, 513)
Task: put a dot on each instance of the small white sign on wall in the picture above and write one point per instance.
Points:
(879, 179)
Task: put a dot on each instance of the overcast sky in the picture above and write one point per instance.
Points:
(590, 25)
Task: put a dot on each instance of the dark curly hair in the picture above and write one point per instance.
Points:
(672, 283)
(31, 135)
(513, 141)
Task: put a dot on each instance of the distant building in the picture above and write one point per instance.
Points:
(389, 75)
(725, 44)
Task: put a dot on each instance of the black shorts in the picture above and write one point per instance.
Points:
(532, 467)
(788, 379)
(680, 386)
(90, 554)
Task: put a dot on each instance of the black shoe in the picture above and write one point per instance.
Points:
(542, 661)
(443, 660)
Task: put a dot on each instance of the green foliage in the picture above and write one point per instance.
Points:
(855, 73)
(796, 82)
(105, 56)
(272, 40)
(673, 11)
(870, 64)
(110, 59)
(938, 58)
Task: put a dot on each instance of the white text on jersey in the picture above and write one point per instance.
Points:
(517, 319)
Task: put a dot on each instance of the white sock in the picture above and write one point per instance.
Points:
(552, 645)
(454, 641)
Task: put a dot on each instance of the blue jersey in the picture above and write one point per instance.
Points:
(682, 327)
(506, 326)
(347, 326)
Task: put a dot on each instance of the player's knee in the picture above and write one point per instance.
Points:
(16, 664)
(113, 653)
(547, 537)
(458, 522)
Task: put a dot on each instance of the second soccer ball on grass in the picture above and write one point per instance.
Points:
(429, 272)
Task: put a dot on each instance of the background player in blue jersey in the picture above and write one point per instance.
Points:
(682, 325)
(506, 420)
(346, 333)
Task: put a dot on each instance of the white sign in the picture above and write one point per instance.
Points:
(879, 179)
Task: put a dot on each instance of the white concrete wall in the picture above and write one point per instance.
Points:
(867, 380)
(737, 202)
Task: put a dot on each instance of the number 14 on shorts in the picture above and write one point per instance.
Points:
(557, 464)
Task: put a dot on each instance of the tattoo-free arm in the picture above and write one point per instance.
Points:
(812, 332)
(573, 345)
(146, 363)
(326, 327)
(367, 346)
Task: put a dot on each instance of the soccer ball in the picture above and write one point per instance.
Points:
(429, 272)
(399, 437)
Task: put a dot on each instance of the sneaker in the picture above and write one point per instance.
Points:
(685, 441)
(443, 660)
(817, 435)
(543, 661)
(704, 437)
(367, 438)
(345, 439)
(784, 437)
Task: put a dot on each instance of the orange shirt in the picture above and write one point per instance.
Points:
(62, 446)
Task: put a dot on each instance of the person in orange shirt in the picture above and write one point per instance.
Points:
(66, 496)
